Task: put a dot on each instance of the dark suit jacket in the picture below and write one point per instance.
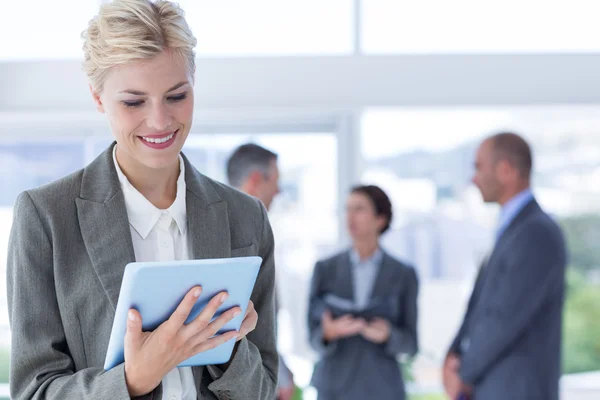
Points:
(69, 245)
(510, 339)
(354, 368)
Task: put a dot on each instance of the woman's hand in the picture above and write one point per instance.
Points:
(250, 321)
(248, 325)
(342, 327)
(149, 356)
(377, 331)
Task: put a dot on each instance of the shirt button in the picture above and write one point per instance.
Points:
(173, 397)
(165, 243)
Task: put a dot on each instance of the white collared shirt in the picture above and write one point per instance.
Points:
(364, 275)
(161, 235)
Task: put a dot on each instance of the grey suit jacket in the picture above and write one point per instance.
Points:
(68, 248)
(354, 368)
(510, 339)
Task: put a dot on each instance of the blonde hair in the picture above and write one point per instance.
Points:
(131, 30)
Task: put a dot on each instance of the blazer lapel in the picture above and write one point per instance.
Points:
(207, 217)
(104, 224)
(345, 277)
(385, 278)
(527, 210)
(208, 228)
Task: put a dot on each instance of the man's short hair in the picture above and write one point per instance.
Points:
(514, 149)
(246, 159)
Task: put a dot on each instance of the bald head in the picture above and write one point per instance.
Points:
(513, 149)
(502, 167)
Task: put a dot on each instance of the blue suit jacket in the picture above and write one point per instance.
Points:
(510, 339)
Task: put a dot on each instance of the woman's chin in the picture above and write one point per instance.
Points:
(160, 163)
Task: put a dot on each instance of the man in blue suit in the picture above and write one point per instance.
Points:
(509, 344)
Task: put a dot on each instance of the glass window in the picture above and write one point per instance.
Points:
(471, 26)
(423, 157)
(40, 29)
(271, 27)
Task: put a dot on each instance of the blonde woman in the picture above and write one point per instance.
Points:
(140, 200)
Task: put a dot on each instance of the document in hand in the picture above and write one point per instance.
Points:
(379, 307)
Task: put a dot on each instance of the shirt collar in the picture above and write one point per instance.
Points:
(512, 207)
(142, 214)
(374, 259)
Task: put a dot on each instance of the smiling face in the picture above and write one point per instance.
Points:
(149, 105)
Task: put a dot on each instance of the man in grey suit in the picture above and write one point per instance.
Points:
(253, 170)
(509, 344)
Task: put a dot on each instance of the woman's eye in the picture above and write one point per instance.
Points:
(135, 103)
(178, 97)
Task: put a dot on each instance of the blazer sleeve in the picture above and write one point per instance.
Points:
(534, 273)
(403, 337)
(41, 366)
(252, 371)
(316, 307)
(455, 345)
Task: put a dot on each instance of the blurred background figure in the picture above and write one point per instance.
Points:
(509, 344)
(363, 309)
(253, 170)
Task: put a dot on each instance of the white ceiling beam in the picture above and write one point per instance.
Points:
(351, 82)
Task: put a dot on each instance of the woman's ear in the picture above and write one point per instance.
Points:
(381, 222)
(97, 100)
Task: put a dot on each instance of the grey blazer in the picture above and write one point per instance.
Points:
(69, 245)
(354, 368)
(510, 339)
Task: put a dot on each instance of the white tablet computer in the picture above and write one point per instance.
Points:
(155, 289)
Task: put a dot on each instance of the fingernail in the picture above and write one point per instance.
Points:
(197, 292)
(224, 297)
(235, 314)
(131, 316)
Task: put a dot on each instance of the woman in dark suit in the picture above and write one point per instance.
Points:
(140, 200)
(363, 309)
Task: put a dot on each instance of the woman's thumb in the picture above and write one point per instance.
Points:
(134, 327)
